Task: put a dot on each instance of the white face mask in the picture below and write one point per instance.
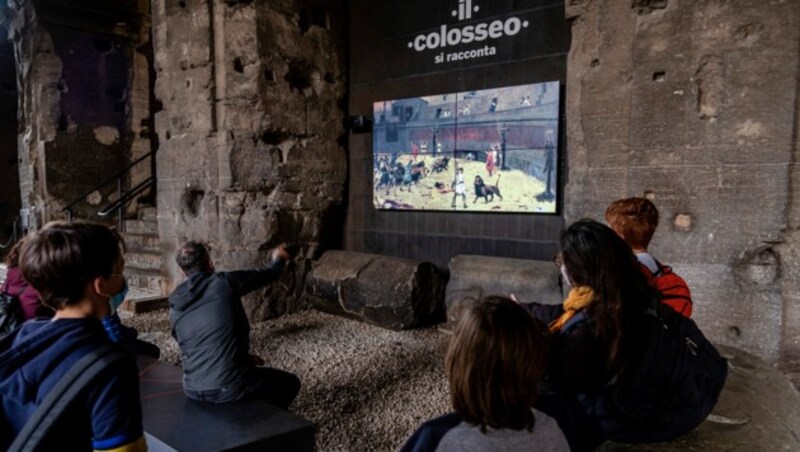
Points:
(566, 281)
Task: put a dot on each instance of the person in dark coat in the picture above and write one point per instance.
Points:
(594, 331)
(15, 284)
(77, 268)
(209, 323)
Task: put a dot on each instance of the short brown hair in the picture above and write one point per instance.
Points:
(635, 219)
(60, 259)
(494, 361)
(193, 257)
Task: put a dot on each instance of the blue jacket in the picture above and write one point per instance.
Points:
(35, 357)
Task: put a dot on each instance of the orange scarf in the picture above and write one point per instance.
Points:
(579, 297)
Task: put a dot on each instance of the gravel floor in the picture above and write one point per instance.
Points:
(366, 388)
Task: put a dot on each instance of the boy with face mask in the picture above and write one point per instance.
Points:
(77, 268)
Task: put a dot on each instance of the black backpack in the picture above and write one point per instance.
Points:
(667, 387)
(10, 313)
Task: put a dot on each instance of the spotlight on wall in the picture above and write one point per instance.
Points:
(358, 124)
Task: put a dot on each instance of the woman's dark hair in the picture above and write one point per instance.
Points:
(193, 257)
(495, 359)
(60, 259)
(595, 256)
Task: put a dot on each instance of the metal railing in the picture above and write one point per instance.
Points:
(122, 198)
(14, 235)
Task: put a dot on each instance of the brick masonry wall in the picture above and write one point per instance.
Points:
(694, 103)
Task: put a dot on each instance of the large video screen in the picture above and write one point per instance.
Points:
(491, 150)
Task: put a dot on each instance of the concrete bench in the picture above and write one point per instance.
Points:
(173, 422)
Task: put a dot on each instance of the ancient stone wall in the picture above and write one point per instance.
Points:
(251, 133)
(81, 108)
(694, 104)
(9, 169)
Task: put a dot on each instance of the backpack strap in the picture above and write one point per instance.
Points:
(77, 378)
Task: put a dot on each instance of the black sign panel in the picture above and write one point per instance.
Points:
(396, 39)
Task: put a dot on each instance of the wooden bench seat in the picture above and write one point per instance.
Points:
(174, 422)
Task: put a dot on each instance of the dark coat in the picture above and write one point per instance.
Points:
(32, 361)
(29, 299)
(209, 323)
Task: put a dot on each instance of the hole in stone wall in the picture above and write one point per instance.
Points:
(117, 93)
(168, 134)
(734, 331)
(103, 45)
(648, 6)
(309, 19)
(63, 122)
(269, 75)
(299, 74)
(191, 201)
(62, 86)
(188, 83)
(274, 137)
(289, 224)
(237, 2)
(182, 4)
(238, 66)
(659, 76)
(595, 63)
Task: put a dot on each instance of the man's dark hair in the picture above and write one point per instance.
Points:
(193, 257)
(60, 259)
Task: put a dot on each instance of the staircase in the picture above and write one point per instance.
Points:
(143, 263)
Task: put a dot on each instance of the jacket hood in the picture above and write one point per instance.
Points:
(189, 291)
(28, 355)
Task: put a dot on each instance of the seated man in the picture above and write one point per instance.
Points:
(635, 220)
(77, 269)
(212, 330)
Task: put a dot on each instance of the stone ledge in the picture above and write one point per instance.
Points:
(759, 409)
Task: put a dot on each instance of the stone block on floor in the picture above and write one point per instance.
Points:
(474, 276)
(390, 292)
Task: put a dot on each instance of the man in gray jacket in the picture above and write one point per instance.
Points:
(209, 323)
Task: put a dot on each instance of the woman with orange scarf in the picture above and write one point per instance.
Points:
(594, 330)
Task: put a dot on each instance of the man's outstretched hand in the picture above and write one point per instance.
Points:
(280, 253)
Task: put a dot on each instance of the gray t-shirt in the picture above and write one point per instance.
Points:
(546, 436)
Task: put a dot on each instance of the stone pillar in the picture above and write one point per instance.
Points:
(74, 69)
(693, 104)
(251, 131)
(9, 168)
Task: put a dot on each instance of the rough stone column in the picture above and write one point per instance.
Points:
(693, 104)
(251, 132)
(76, 110)
(38, 72)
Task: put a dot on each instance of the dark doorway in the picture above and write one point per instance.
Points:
(9, 169)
